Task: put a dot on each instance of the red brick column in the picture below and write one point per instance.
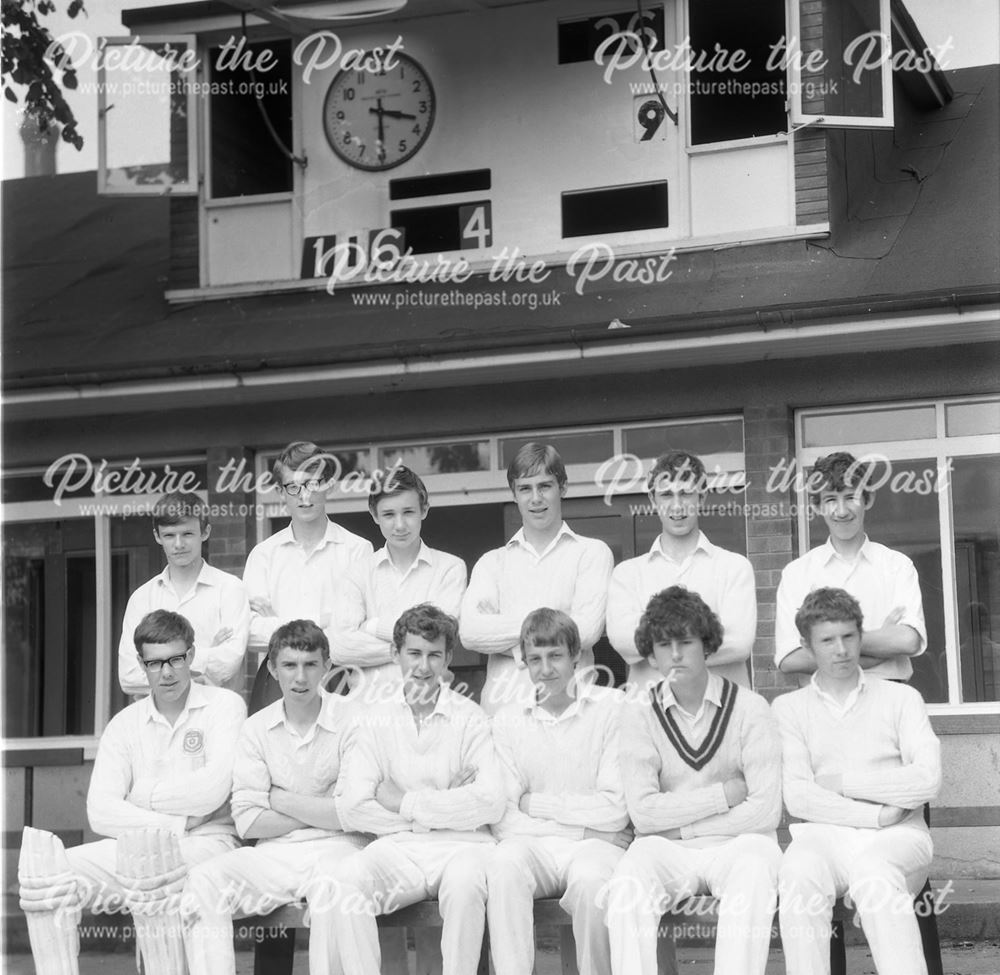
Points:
(771, 527)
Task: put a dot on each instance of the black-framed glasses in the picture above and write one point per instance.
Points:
(178, 660)
(294, 488)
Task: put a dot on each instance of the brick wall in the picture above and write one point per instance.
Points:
(771, 529)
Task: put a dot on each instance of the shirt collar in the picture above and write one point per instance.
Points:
(334, 535)
(423, 555)
(702, 545)
(326, 718)
(197, 698)
(713, 693)
(518, 539)
(866, 552)
(584, 694)
(205, 576)
(831, 700)
(444, 706)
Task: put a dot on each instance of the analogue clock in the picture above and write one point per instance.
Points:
(378, 120)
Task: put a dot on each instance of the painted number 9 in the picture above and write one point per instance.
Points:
(650, 118)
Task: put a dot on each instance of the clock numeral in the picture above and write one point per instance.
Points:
(340, 116)
(423, 108)
(417, 86)
(402, 145)
(347, 138)
(477, 229)
(416, 130)
(348, 94)
(360, 77)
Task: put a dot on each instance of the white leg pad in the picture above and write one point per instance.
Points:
(50, 901)
(152, 871)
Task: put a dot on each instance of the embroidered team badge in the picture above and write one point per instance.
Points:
(194, 741)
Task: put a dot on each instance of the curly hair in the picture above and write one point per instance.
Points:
(550, 628)
(827, 605)
(676, 613)
(429, 622)
(302, 635)
(840, 471)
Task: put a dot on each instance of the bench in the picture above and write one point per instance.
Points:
(273, 955)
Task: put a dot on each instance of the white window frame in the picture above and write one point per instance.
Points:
(884, 120)
(938, 449)
(190, 185)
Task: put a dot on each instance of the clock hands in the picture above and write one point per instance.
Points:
(380, 112)
(388, 112)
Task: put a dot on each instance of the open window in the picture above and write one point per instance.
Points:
(840, 63)
(146, 113)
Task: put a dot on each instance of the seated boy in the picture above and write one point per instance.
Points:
(287, 761)
(702, 771)
(860, 760)
(160, 788)
(545, 563)
(212, 601)
(294, 573)
(682, 555)
(565, 827)
(375, 591)
(422, 777)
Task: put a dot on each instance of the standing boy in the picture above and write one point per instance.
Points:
(682, 555)
(566, 826)
(545, 563)
(212, 601)
(860, 759)
(160, 788)
(294, 573)
(287, 762)
(883, 581)
(702, 770)
(422, 777)
(376, 591)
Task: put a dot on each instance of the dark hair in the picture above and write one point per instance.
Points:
(429, 622)
(840, 471)
(536, 458)
(305, 456)
(677, 464)
(676, 613)
(550, 628)
(827, 605)
(302, 635)
(175, 507)
(398, 480)
(162, 626)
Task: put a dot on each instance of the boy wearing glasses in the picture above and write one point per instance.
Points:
(212, 601)
(160, 789)
(294, 573)
(404, 573)
(883, 581)
(682, 555)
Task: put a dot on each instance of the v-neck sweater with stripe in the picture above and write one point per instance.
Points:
(665, 789)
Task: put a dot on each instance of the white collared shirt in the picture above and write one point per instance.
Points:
(724, 579)
(270, 752)
(149, 772)
(508, 583)
(695, 726)
(836, 708)
(216, 600)
(880, 579)
(373, 594)
(299, 584)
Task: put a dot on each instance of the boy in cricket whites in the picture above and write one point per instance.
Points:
(701, 762)
(859, 761)
(422, 777)
(545, 563)
(683, 555)
(287, 761)
(212, 601)
(565, 827)
(160, 792)
(375, 591)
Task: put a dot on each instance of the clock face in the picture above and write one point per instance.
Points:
(378, 120)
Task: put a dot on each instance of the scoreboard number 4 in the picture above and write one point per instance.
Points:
(476, 222)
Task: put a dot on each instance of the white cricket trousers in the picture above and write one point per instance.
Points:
(246, 882)
(881, 870)
(522, 869)
(391, 873)
(656, 873)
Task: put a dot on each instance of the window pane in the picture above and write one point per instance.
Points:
(873, 426)
(444, 458)
(74, 476)
(970, 419)
(907, 520)
(574, 448)
(714, 437)
(50, 657)
(975, 489)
